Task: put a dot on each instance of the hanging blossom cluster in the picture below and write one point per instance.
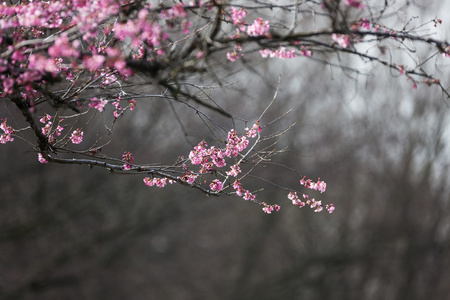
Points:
(210, 161)
(21, 68)
(52, 131)
(128, 158)
(49, 130)
(259, 27)
(320, 186)
(8, 131)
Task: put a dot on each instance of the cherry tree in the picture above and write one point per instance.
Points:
(65, 64)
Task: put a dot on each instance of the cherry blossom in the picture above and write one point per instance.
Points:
(189, 177)
(159, 182)
(236, 54)
(216, 185)
(132, 104)
(354, 3)
(128, 158)
(41, 159)
(77, 136)
(98, 104)
(234, 171)
(268, 209)
(96, 48)
(318, 186)
(343, 40)
(8, 130)
(237, 17)
(258, 28)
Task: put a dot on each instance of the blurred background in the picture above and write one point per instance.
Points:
(70, 232)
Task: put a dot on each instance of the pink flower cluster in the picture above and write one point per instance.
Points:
(318, 186)
(128, 158)
(362, 23)
(208, 158)
(447, 52)
(216, 185)
(237, 17)
(252, 132)
(280, 53)
(268, 209)
(41, 159)
(119, 110)
(132, 104)
(317, 205)
(258, 28)
(241, 192)
(64, 48)
(8, 131)
(48, 130)
(343, 40)
(98, 104)
(354, 3)
(236, 54)
(77, 136)
(234, 171)
(159, 182)
(188, 177)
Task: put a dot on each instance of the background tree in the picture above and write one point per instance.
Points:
(381, 148)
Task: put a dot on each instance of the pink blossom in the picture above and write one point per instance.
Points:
(265, 52)
(8, 130)
(304, 51)
(330, 208)
(59, 129)
(280, 53)
(185, 25)
(46, 130)
(343, 40)
(199, 54)
(236, 54)
(132, 104)
(39, 63)
(251, 133)
(41, 159)
(237, 16)
(8, 84)
(189, 178)
(248, 196)
(94, 62)
(77, 136)
(238, 188)
(234, 171)
(268, 209)
(128, 158)
(63, 48)
(216, 185)
(98, 104)
(295, 200)
(447, 52)
(159, 182)
(318, 186)
(217, 157)
(355, 3)
(45, 118)
(258, 28)
(365, 24)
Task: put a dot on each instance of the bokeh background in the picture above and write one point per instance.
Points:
(70, 232)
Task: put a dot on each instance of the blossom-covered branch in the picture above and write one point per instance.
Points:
(68, 66)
